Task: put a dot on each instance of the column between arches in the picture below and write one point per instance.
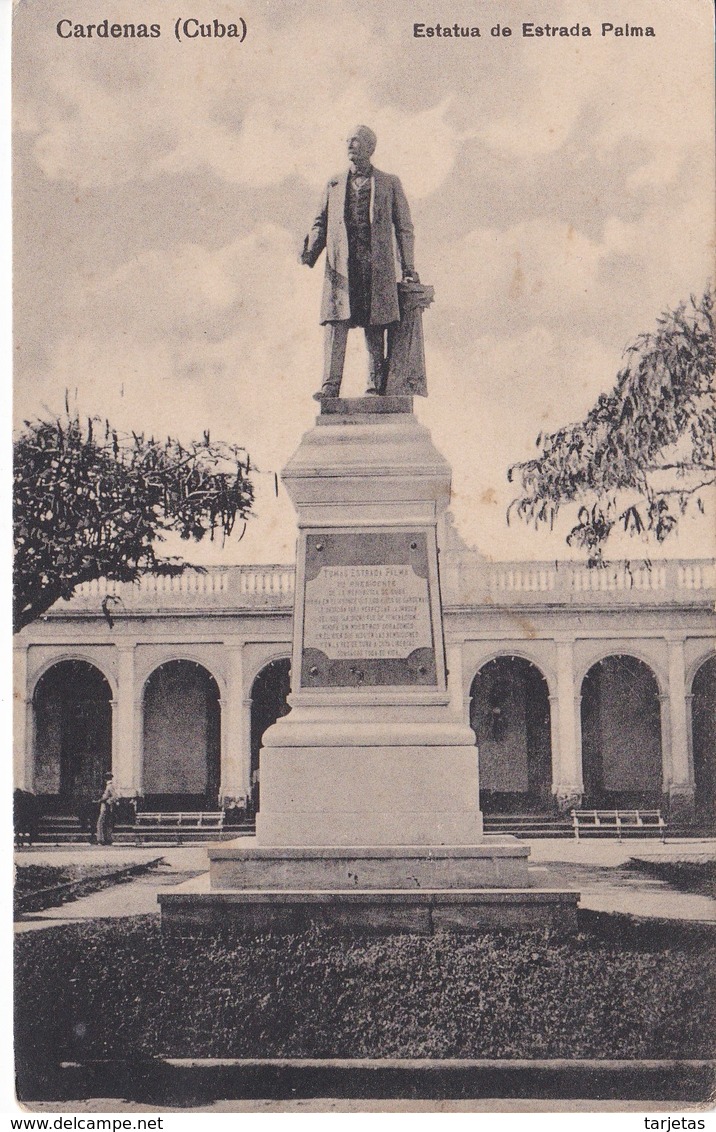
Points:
(126, 724)
(679, 767)
(234, 783)
(567, 773)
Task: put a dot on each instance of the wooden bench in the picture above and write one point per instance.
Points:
(179, 824)
(618, 820)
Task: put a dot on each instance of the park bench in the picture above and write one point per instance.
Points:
(617, 821)
(179, 826)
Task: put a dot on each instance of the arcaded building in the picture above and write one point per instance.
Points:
(591, 686)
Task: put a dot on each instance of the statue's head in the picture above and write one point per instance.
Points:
(361, 144)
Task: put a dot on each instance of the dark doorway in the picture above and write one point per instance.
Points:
(269, 702)
(182, 738)
(73, 735)
(621, 734)
(703, 717)
(510, 715)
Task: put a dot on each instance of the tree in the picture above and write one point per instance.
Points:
(90, 502)
(646, 452)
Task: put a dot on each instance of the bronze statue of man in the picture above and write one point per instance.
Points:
(361, 210)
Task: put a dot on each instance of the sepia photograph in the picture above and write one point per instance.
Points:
(364, 513)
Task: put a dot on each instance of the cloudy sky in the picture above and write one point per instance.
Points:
(561, 191)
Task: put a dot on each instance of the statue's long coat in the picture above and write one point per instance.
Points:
(389, 213)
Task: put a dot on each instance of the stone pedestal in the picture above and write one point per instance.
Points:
(369, 786)
(370, 753)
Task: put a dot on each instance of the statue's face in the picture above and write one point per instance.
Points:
(360, 146)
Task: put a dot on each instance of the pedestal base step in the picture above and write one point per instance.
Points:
(193, 908)
(361, 406)
(497, 862)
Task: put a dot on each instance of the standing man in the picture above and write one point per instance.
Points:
(105, 823)
(362, 209)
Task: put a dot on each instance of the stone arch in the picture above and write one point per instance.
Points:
(693, 669)
(510, 715)
(599, 654)
(267, 653)
(72, 749)
(181, 737)
(146, 667)
(542, 663)
(621, 733)
(703, 732)
(269, 702)
(74, 655)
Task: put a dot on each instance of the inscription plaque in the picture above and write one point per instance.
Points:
(372, 612)
(367, 616)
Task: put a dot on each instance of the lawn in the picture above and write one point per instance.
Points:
(693, 872)
(45, 886)
(119, 989)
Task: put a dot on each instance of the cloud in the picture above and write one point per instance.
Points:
(547, 273)
(191, 333)
(507, 391)
(645, 103)
(539, 265)
(190, 286)
(275, 111)
(548, 107)
(561, 191)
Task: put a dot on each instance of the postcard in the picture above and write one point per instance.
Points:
(365, 556)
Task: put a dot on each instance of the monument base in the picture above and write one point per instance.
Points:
(191, 910)
(369, 816)
(317, 788)
(369, 890)
(497, 862)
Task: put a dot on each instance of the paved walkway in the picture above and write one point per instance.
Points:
(348, 1104)
(608, 882)
(599, 869)
(135, 897)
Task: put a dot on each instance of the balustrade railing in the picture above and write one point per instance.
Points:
(266, 580)
(465, 582)
(574, 583)
(229, 585)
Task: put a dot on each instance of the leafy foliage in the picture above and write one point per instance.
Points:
(90, 502)
(645, 452)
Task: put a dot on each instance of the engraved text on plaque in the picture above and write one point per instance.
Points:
(372, 612)
(368, 609)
